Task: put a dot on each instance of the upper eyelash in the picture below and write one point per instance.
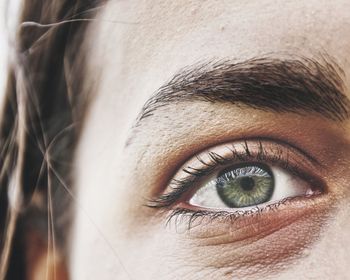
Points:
(181, 186)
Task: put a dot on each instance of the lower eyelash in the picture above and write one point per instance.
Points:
(197, 217)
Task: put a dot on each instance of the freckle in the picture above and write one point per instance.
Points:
(222, 28)
(194, 10)
(306, 252)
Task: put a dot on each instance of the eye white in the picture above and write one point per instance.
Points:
(286, 185)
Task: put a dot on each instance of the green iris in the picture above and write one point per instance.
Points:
(245, 186)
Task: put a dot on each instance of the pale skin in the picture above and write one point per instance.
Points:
(134, 48)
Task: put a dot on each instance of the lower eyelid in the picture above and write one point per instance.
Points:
(193, 216)
(282, 233)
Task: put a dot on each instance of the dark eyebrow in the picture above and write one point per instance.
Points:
(302, 85)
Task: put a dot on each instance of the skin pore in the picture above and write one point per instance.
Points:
(136, 47)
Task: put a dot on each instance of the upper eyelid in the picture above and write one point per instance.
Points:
(282, 142)
(244, 141)
(286, 144)
(220, 161)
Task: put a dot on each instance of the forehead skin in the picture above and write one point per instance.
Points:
(134, 47)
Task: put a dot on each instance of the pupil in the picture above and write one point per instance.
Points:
(247, 183)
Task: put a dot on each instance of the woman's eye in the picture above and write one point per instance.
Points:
(241, 176)
(248, 185)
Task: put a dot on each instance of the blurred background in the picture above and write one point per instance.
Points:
(8, 19)
(3, 46)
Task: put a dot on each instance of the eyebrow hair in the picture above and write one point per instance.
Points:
(301, 85)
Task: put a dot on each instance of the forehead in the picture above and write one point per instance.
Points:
(188, 31)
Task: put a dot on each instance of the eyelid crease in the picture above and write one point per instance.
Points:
(287, 144)
(179, 187)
